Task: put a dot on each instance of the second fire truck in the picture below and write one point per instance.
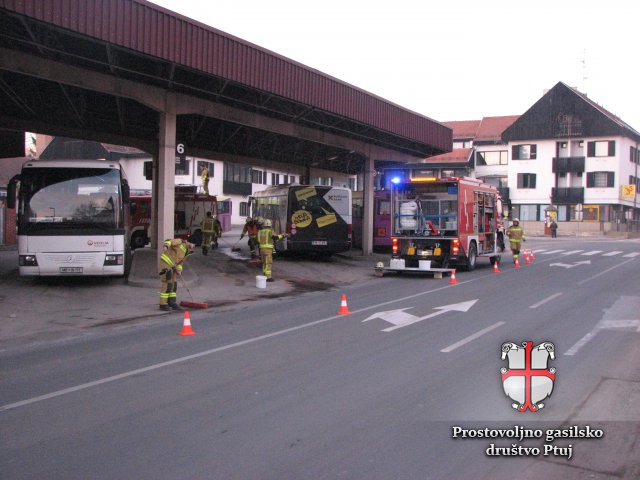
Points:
(444, 224)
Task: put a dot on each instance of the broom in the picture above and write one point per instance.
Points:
(234, 248)
(192, 303)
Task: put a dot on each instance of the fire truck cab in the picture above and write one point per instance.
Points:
(444, 224)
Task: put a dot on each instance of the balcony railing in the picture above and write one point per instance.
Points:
(570, 195)
(568, 164)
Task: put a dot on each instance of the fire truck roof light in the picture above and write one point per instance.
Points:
(424, 179)
(396, 180)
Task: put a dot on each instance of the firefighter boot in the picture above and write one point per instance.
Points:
(205, 250)
(173, 305)
(164, 307)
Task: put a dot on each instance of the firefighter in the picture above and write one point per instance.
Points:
(205, 179)
(251, 229)
(207, 227)
(174, 253)
(217, 231)
(265, 242)
(516, 237)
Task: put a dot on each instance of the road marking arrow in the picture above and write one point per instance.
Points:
(570, 265)
(400, 318)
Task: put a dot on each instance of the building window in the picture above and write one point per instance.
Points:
(244, 209)
(523, 152)
(604, 148)
(634, 155)
(182, 165)
(600, 179)
(526, 180)
(147, 170)
(275, 179)
(492, 158)
(256, 176)
(210, 166)
(237, 173)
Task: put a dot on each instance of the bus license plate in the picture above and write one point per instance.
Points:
(319, 242)
(70, 269)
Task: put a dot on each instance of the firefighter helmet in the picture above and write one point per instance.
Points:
(267, 223)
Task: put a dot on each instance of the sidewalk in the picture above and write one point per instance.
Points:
(46, 309)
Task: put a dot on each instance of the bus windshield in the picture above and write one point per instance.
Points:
(87, 200)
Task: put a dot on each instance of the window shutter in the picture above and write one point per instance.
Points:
(591, 179)
(611, 177)
(612, 148)
(515, 152)
(148, 170)
(532, 180)
(520, 181)
(631, 154)
(533, 151)
(591, 149)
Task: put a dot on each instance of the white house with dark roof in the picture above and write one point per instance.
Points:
(570, 156)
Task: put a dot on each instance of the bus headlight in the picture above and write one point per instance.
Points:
(113, 259)
(27, 261)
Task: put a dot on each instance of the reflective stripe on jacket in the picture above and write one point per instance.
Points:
(207, 225)
(515, 234)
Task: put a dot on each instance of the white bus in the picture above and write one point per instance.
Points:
(72, 218)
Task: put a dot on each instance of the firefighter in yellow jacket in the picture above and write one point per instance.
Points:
(516, 237)
(265, 240)
(174, 253)
(207, 227)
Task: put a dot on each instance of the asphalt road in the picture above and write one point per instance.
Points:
(290, 389)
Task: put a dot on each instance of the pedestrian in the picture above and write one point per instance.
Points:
(554, 229)
(174, 253)
(207, 227)
(205, 179)
(516, 237)
(265, 241)
(251, 229)
(217, 231)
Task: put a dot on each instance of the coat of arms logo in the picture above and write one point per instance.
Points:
(528, 380)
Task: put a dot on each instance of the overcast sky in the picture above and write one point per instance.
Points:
(450, 60)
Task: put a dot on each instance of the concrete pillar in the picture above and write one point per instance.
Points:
(367, 221)
(165, 193)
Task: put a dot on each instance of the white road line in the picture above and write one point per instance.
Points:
(571, 252)
(604, 271)
(538, 250)
(470, 338)
(611, 254)
(582, 342)
(248, 341)
(551, 252)
(631, 255)
(548, 299)
(592, 252)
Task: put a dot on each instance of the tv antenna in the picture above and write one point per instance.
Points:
(584, 71)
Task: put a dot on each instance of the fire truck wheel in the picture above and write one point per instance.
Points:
(138, 240)
(471, 257)
(196, 238)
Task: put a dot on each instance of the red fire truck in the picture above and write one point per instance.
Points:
(190, 209)
(442, 224)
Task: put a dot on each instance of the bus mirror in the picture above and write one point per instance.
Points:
(11, 192)
(126, 191)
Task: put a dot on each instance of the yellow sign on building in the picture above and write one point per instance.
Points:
(627, 192)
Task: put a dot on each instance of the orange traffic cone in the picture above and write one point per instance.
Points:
(495, 267)
(516, 264)
(344, 310)
(533, 257)
(453, 280)
(186, 326)
(527, 258)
